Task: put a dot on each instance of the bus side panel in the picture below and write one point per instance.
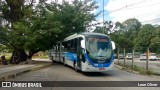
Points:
(55, 54)
(70, 58)
(52, 54)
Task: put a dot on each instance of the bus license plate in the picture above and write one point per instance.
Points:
(101, 68)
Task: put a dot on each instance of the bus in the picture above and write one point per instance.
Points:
(87, 52)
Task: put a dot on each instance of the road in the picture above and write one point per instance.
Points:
(58, 72)
(153, 65)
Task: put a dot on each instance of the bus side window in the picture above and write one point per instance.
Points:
(72, 45)
(79, 44)
(79, 50)
(75, 45)
(68, 45)
(64, 46)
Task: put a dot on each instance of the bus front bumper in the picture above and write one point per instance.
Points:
(90, 68)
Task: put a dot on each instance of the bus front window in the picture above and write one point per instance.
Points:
(99, 48)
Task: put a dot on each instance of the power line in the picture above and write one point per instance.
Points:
(124, 7)
(144, 14)
(155, 12)
(144, 6)
(153, 20)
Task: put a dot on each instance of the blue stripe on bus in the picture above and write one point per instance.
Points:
(70, 56)
(98, 64)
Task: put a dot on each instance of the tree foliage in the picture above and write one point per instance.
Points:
(131, 34)
(126, 32)
(144, 36)
(38, 28)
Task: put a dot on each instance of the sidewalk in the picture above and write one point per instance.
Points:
(11, 71)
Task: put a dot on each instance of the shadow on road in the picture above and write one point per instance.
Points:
(95, 74)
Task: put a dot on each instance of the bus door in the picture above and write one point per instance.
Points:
(79, 53)
(56, 53)
(61, 50)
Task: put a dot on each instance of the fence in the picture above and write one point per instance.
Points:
(132, 59)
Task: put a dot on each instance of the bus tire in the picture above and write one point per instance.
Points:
(64, 62)
(52, 60)
(75, 66)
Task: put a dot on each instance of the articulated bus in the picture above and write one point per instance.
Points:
(87, 52)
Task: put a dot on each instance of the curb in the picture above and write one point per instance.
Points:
(15, 73)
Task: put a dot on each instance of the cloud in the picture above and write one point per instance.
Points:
(146, 11)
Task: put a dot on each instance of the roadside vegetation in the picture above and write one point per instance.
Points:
(140, 70)
(42, 55)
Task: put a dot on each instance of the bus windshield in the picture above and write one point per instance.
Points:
(99, 48)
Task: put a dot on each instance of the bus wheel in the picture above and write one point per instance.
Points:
(64, 62)
(52, 60)
(75, 66)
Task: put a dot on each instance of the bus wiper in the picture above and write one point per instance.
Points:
(100, 56)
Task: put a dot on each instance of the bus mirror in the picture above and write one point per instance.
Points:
(82, 44)
(113, 45)
(62, 47)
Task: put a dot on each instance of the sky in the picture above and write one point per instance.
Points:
(146, 11)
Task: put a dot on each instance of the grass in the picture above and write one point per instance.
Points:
(141, 70)
(8, 56)
(43, 57)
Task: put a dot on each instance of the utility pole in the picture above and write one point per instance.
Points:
(103, 18)
(118, 55)
(132, 58)
(124, 54)
(147, 60)
(0, 13)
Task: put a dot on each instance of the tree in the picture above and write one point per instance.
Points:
(79, 15)
(99, 29)
(131, 28)
(57, 20)
(120, 38)
(40, 28)
(15, 14)
(0, 17)
(144, 37)
(155, 41)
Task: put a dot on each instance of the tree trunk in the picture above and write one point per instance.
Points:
(18, 56)
(32, 52)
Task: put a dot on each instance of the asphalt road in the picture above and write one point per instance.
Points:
(58, 72)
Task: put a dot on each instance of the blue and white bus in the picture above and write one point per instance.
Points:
(87, 52)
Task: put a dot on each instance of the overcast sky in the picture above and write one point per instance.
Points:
(146, 11)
